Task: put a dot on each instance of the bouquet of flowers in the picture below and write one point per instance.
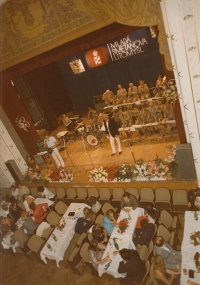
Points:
(60, 175)
(124, 172)
(171, 160)
(195, 238)
(140, 171)
(61, 224)
(98, 175)
(33, 175)
(111, 172)
(122, 225)
(157, 168)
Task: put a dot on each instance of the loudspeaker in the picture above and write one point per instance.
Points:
(14, 170)
(185, 161)
(99, 107)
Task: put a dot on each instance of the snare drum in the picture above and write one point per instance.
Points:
(92, 140)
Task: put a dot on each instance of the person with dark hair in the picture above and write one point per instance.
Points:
(28, 226)
(109, 221)
(128, 200)
(132, 265)
(45, 192)
(171, 257)
(165, 276)
(96, 252)
(15, 192)
(145, 234)
(143, 90)
(39, 212)
(191, 197)
(95, 205)
(14, 212)
(153, 213)
(100, 234)
(111, 128)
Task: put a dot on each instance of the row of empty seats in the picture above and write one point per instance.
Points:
(162, 198)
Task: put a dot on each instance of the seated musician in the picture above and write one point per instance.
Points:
(92, 116)
(125, 119)
(108, 97)
(121, 95)
(168, 112)
(143, 90)
(132, 93)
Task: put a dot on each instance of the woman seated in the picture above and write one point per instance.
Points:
(100, 234)
(45, 192)
(15, 192)
(153, 213)
(96, 251)
(165, 276)
(109, 221)
(39, 212)
(83, 224)
(95, 205)
(27, 200)
(14, 212)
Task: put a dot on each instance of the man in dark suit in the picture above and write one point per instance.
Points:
(111, 128)
(171, 257)
(145, 234)
(191, 197)
(132, 265)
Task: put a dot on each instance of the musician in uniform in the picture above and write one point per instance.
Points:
(132, 93)
(168, 112)
(121, 95)
(51, 143)
(108, 97)
(160, 85)
(125, 119)
(143, 90)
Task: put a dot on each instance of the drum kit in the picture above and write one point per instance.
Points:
(92, 134)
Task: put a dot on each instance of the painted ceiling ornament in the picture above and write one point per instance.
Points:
(22, 123)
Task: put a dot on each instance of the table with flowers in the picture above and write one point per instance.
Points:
(60, 238)
(190, 246)
(123, 235)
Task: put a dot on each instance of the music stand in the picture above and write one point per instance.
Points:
(61, 135)
(41, 154)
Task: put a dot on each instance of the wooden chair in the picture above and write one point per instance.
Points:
(61, 208)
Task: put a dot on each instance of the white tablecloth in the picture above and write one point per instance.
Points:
(124, 241)
(64, 237)
(188, 250)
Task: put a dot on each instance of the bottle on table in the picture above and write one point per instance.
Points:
(195, 215)
(49, 247)
(116, 244)
(54, 237)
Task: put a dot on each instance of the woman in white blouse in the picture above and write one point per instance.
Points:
(46, 193)
(96, 251)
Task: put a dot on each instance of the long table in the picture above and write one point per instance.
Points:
(188, 250)
(124, 241)
(64, 236)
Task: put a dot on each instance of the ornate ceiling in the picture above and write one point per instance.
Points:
(31, 27)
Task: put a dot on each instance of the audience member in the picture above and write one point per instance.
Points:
(39, 212)
(132, 265)
(96, 252)
(152, 212)
(22, 189)
(84, 223)
(145, 234)
(27, 200)
(95, 205)
(14, 212)
(100, 234)
(15, 192)
(165, 276)
(109, 221)
(191, 197)
(171, 257)
(128, 200)
(28, 226)
(45, 192)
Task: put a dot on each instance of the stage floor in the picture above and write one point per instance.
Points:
(80, 157)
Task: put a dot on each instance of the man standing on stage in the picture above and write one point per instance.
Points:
(51, 143)
(111, 128)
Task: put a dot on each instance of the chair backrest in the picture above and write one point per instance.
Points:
(60, 192)
(133, 191)
(99, 220)
(71, 193)
(81, 192)
(35, 243)
(92, 191)
(152, 275)
(147, 265)
(47, 232)
(117, 193)
(53, 190)
(61, 207)
(84, 252)
(147, 194)
(179, 197)
(104, 193)
(166, 218)
(21, 205)
(162, 194)
(53, 218)
(163, 232)
(144, 252)
(34, 192)
(151, 245)
(106, 207)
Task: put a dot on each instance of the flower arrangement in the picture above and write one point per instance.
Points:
(111, 172)
(195, 238)
(61, 224)
(33, 175)
(158, 169)
(60, 175)
(124, 172)
(140, 170)
(171, 160)
(98, 175)
(122, 225)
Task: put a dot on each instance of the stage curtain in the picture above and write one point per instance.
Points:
(139, 13)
